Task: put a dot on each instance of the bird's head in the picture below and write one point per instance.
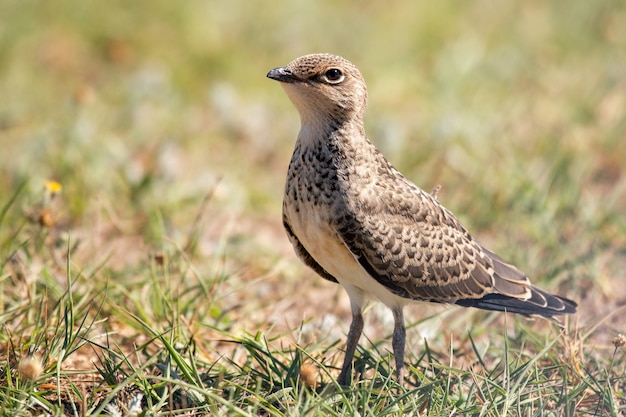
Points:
(326, 89)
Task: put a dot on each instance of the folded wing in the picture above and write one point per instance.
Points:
(420, 251)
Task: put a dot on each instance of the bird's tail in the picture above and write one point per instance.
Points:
(539, 304)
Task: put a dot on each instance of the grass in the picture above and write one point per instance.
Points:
(157, 279)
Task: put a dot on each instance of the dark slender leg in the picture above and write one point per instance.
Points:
(398, 342)
(356, 328)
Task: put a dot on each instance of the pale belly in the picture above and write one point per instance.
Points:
(316, 235)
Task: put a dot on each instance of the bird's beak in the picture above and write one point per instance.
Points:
(282, 74)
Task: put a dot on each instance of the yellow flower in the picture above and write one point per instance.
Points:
(53, 187)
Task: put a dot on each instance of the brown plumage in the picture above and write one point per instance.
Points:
(356, 220)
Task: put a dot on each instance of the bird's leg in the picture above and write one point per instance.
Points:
(398, 342)
(356, 328)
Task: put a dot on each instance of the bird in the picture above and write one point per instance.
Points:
(357, 221)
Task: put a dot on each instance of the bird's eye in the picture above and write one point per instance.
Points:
(334, 75)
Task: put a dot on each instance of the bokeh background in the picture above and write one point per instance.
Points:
(158, 122)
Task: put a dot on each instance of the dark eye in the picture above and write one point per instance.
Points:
(333, 75)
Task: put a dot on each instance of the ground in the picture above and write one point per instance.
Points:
(143, 154)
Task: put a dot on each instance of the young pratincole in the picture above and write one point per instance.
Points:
(357, 221)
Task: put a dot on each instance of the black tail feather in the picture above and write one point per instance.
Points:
(540, 303)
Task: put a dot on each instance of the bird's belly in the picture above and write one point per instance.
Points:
(318, 238)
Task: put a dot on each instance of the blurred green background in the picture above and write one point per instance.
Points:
(171, 147)
(141, 109)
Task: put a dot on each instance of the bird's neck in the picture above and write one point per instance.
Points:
(316, 132)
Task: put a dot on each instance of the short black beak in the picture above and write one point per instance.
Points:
(282, 74)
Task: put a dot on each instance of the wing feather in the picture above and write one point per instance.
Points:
(419, 250)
